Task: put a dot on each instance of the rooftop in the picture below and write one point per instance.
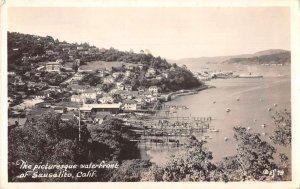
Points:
(67, 116)
(87, 106)
(129, 102)
(53, 63)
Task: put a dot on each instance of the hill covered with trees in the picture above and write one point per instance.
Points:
(26, 52)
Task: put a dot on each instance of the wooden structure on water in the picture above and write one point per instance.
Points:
(165, 129)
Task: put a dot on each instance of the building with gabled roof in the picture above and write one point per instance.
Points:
(129, 105)
(53, 67)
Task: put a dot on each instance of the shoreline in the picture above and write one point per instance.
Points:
(173, 95)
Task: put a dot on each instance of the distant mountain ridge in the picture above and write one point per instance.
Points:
(270, 56)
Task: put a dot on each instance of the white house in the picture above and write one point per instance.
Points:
(53, 67)
(127, 73)
(78, 98)
(40, 95)
(77, 76)
(150, 72)
(128, 88)
(153, 89)
(108, 79)
(140, 99)
(120, 86)
(129, 105)
(117, 74)
(89, 94)
(106, 99)
(102, 73)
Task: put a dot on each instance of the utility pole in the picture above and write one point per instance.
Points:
(79, 136)
(79, 125)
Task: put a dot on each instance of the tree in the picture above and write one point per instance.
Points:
(75, 67)
(193, 165)
(130, 170)
(46, 140)
(253, 155)
(282, 133)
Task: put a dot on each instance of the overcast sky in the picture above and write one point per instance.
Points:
(172, 33)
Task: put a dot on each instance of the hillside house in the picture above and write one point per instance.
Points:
(101, 116)
(39, 95)
(120, 86)
(153, 89)
(150, 72)
(112, 108)
(59, 109)
(129, 105)
(53, 67)
(108, 80)
(67, 117)
(140, 99)
(78, 99)
(89, 94)
(128, 88)
(77, 76)
(51, 52)
(117, 74)
(128, 73)
(106, 99)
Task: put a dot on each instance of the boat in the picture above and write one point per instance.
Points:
(206, 137)
(250, 76)
(213, 130)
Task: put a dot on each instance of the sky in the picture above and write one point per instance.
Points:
(172, 33)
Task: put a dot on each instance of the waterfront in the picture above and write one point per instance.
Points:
(248, 100)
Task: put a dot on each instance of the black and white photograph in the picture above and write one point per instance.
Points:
(148, 94)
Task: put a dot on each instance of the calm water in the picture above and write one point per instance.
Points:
(256, 96)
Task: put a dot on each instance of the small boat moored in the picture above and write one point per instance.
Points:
(213, 130)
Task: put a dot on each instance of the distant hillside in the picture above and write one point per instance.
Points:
(265, 57)
(271, 56)
(270, 52)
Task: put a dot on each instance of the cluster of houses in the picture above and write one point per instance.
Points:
(86, 99)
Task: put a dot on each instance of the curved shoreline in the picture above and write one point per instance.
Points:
(173, 95)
